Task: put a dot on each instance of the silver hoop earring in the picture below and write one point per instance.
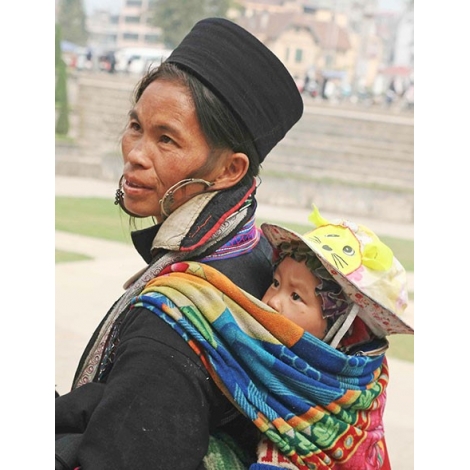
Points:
(169, 197)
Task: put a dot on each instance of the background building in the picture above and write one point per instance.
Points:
(130, 26)
(335, 49)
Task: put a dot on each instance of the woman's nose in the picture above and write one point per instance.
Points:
(134, 152)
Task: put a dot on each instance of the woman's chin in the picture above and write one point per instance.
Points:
(141, 210)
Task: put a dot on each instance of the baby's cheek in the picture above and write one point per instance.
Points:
(267, 295)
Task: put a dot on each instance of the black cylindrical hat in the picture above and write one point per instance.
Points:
(245, 75)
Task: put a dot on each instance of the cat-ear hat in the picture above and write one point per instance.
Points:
(361, 264)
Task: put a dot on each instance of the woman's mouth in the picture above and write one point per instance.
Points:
(134, 186)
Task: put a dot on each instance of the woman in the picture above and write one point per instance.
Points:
(202, 124)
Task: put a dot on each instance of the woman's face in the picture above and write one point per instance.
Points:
(161, 145)
(292, 294)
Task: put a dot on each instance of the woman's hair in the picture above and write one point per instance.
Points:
(219, 125)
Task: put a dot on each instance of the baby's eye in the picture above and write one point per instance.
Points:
(295, 296)
(275, 283)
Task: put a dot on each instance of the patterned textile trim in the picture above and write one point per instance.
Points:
(322, 409)
(243, 242)
(224, 454)
(211, 218)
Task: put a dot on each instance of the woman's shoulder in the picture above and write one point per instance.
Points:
(142, 324)
(252, 271)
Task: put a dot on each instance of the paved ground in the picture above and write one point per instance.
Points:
(85, 290)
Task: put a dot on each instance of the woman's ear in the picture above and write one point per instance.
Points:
(234, 169)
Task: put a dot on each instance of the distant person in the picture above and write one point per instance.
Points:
(395, 91)
(410, 96)
(199, 128)
(89, 60)
(111, 62)
(129, 64)
(328, 89)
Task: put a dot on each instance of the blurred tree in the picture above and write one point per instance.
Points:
(61, 99)
(176, 17)
(72, 19)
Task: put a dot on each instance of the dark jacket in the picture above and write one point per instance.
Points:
(157, 405)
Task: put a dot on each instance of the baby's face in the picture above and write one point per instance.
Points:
(292, 294)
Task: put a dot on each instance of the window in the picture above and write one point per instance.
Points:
(151, 38)
(132, 19)
(130, 37)
(287, 55)
(133, 3)
(298, 55)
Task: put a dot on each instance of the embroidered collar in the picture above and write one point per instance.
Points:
(193, 224)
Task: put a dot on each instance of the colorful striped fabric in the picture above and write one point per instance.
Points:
(321, 408)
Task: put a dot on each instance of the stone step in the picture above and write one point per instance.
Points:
(400, 148)
(341, 173)
(336, 125)
(344, 153)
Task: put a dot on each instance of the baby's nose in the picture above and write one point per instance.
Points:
(275, 303)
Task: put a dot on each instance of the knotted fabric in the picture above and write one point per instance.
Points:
(320, 408)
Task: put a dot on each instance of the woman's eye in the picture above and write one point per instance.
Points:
(134, 126)
(165, 139)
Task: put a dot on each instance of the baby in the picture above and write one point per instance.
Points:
(339, 282)
(343, 285)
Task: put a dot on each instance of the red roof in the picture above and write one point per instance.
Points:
(397, 71)
(272, 25)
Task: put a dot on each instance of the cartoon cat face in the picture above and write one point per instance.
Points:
(347, 246)
(338, 245)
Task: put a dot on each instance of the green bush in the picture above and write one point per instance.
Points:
(61, 99)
